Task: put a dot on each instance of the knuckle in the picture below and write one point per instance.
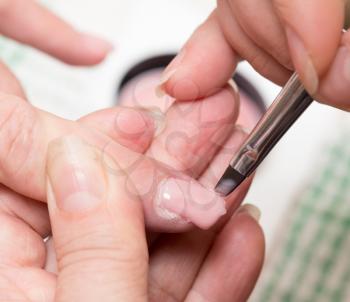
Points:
(98, 246)
(17, 127)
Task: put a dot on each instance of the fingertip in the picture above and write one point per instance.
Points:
(246, 224)
(203, 66)
(84, 50)
(95, 48)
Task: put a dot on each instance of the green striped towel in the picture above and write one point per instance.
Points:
(310, 258)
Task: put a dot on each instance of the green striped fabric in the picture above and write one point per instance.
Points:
(310, 258)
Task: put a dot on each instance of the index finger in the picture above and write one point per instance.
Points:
(30, 23)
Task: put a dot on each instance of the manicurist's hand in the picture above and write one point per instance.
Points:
(276, 37)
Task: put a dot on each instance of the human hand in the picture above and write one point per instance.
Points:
(275, 36)
(32, 214)
(100, 243)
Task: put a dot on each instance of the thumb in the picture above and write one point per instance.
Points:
(98, 230)
(313, 31)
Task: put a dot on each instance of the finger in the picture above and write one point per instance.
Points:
(141, 91)
(179, 257)
(270, 37)
(207, 52)
(31, 212)
(131, 127)
(26, 284)
(264, 63)
(176, 257)
(25, 223)
(334, 86)
(96, 228)
(41, 29)
(169, 199)
(20, 244)
(210, 116)
(312, 53)
(233, 265)
(195, 131)
(214, 49)
(191, 132)
(25, 133)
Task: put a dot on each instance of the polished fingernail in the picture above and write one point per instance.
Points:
(95, 44)
(190, 201)
(75, 175)
(252, 211)
(303, 62)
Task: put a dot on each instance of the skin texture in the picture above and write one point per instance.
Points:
(110, 239)
(29, 259)
(276, 37)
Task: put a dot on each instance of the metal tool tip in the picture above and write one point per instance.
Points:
(229, 182)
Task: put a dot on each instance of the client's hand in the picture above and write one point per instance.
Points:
(26, 132)
(99, 237)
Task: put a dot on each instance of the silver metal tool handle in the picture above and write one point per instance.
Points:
(284, 111)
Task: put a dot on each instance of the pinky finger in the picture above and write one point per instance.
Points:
(233, 265)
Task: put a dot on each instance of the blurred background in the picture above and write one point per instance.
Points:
(143, 29)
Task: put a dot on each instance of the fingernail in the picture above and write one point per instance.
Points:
(75, 176)
(169, 72)
(96, 44)
(251, 210)
(303, 62)
(190, 201)
(160, 89)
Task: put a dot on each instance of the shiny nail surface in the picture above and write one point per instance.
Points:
(190, 201)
